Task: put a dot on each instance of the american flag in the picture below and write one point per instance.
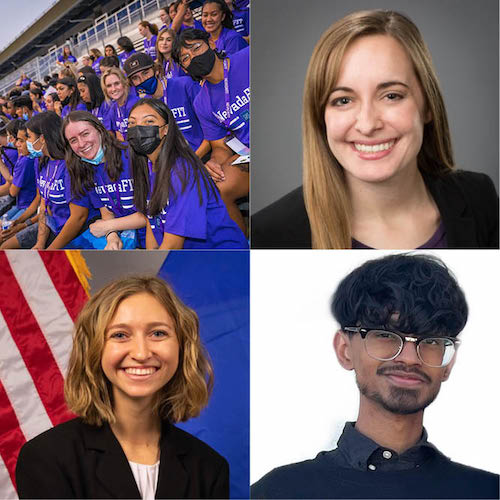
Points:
(41, 294)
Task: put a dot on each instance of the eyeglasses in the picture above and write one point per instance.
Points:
(192, 50)
(384, 346)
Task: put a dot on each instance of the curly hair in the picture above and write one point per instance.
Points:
(412, 293)
(87, 390)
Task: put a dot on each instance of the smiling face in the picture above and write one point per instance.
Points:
(376, 113)
(165, 41)
(114, 87)
(141, 350)
(402, 386)
(83, 138)
(211, 17)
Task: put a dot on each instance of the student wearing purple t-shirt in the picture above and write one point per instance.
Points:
(172, 187)
(127, 47)
(8, 157)
(177, 93)
(183, 18)
(168, 67)
(99, 168)
(69, 97)
(149, 32)
(89, 87)
(60, 219)
(224, 114)
(241, 18)
(117, 92)
(66, 57)
(97, 57)
(217, 21)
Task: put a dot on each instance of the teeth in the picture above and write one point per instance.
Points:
(375, 148)
(140, 371)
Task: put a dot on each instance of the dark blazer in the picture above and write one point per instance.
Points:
(467, 202)
(76, 460)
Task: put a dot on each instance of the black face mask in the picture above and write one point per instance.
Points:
(202, 65)
(144, 139)
(66, 101)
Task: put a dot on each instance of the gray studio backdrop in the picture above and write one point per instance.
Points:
(462, 36)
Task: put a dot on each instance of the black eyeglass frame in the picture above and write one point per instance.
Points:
(416, 339)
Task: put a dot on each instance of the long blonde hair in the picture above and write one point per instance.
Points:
(326, 198)
(86, 388)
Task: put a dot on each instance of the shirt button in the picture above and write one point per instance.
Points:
(387, 454)
(371, 467)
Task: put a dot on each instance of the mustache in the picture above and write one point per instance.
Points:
(386, 370)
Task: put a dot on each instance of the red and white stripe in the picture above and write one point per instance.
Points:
(40, 297)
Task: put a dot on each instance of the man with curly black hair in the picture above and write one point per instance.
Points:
(399, 319)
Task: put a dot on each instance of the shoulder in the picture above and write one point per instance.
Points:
(194, 449)
(297, 480)
(242, 56)
(283, 224)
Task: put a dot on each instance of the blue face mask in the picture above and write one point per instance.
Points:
(11, 144)
(149, 85)
(98, 158)
(33, 153)
(25, 116)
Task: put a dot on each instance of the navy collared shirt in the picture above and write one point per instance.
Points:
(357, 451)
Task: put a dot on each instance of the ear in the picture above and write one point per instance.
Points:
(428, 116)
(448, 368)
(342, 347)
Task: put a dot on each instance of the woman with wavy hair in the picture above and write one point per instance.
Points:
(378, 164)
(137, 367)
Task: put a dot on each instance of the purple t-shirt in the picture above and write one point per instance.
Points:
(67, 109)
(150, 47)
(230, 42)
(54, 185)
(197, 26)
(9, 157)
(179, 95)
(117, 197)
(96, 66)
(125, 55)
(70, 58)
(203, 225)
(437, 240)
(241, 22)
(210, 104)
(24, 178)
(102, 112)
(118, 115)
(173, 70)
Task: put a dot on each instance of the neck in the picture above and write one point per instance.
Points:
(217, 73)
(215, 34)
(397, 432)
(154, 155)
(159, 90)
(135, 422)
(122, 100)
(383, 200)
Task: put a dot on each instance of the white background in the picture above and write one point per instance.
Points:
(301, 397)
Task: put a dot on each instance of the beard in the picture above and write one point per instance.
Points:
(400, 400)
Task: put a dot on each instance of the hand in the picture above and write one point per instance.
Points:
(119, 136)
(13, 229)
(38, 246)
(57, 107)
(99, 228)
(114, 242)
(215, 171)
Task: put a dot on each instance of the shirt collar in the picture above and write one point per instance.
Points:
(362, 453)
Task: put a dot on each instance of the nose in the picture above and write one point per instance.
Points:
(409, 354)
(140, 349)
(368, 119)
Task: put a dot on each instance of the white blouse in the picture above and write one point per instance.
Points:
(146, 477)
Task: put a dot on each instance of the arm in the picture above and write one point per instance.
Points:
(14, 190)
(5, 188)
(111, 223)
(172, 242)
(77, 218)
(43, 230)
(203, 149)
(5, 172)
(220, 154)
(151, 243)
(220, 488)
(179, 15)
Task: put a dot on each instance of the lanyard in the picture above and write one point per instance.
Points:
(166, 68)
(164, 85)
(227, 120)
(116, 204)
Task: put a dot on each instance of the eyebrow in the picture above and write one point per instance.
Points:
(153, 324)
(380, 86)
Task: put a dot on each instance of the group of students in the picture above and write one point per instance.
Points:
(133, 152)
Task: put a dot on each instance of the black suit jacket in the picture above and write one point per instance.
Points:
(76, 460)
(467, 202)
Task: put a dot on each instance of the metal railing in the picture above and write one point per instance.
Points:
(106, 29)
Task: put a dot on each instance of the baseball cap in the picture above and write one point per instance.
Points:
(137, 62)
